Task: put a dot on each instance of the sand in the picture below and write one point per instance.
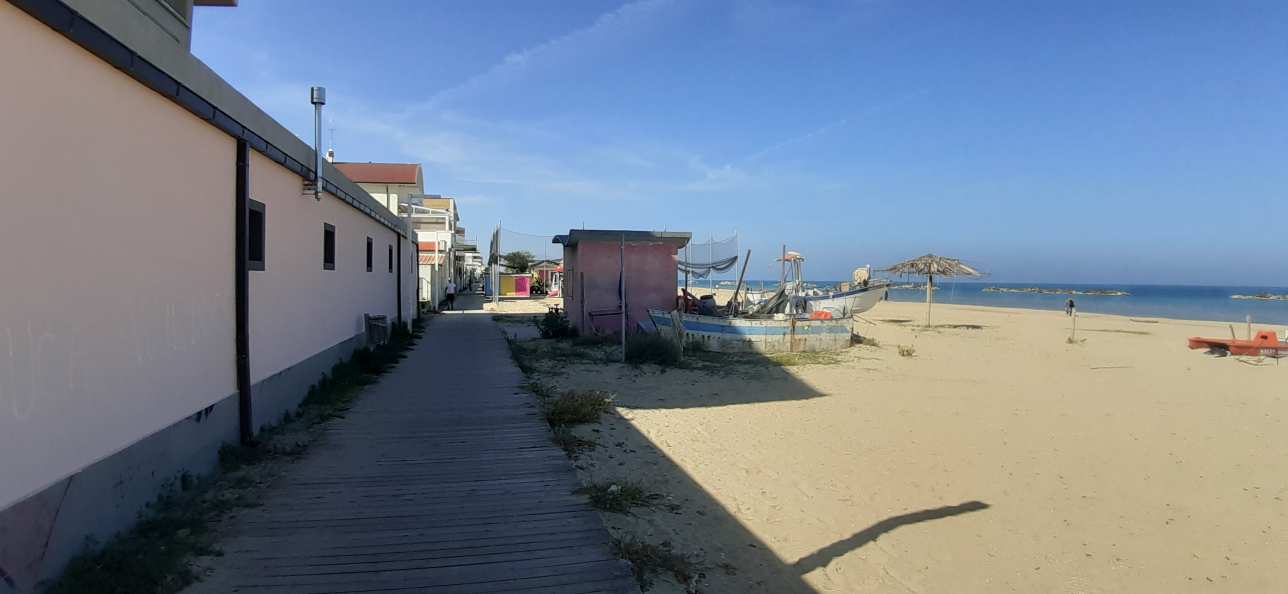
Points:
(998, 458)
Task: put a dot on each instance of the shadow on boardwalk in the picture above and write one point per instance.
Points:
(441, 478)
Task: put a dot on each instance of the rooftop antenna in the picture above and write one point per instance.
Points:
(317, 96)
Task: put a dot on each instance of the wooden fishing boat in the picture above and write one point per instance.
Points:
(767, 334)
(849, 303)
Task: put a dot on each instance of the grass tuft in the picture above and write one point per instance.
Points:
(618, 498)
(575, 407)
(907, 350)
(649, 560)
(806, 358)
(653, 348)
(868, 341)
(564, 437)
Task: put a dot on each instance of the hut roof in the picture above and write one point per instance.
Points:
(677, 239)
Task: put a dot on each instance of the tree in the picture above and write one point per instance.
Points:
(518, 262)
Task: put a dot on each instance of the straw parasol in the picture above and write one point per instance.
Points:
(931, 266)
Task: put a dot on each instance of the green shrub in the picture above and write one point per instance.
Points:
(594, 340)
(652, 348)
(648, 560)
(617, 498)
(577, 406)
(568, 441)
(554, 325)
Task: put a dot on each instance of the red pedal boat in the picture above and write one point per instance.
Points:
(1264, 344)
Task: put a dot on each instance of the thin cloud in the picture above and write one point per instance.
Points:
(833, 125)
(613, 27)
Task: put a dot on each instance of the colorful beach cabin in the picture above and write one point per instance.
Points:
(516, 285)
(596, 260)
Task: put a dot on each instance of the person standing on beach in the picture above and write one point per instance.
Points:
(451, 295)
(1069, 307)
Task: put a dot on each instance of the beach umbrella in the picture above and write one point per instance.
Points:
(931, 266)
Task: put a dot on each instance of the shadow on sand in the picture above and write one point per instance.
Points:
(747, 561)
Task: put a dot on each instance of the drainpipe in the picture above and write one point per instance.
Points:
(241, 291)
(398, 240)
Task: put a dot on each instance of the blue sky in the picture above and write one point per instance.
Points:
(1045, 142)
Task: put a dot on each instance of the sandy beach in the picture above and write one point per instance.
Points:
(999, 457)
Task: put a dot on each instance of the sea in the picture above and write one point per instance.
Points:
(1181, 302)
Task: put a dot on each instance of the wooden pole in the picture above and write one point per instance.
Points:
(733, 305)
(782, 267)
(930, 299)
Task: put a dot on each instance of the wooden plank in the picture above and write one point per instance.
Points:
(425, 489)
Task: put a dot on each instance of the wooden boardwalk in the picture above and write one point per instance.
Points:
(442, 478)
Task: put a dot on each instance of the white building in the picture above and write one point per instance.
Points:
(390, 184)
(221, 286)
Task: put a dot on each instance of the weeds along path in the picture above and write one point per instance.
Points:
(442, 477)
(439, 476)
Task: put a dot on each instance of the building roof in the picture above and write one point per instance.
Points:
(678, 239)
(381, 173)
(431, 259)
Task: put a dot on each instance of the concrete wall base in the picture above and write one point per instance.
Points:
(40, 534)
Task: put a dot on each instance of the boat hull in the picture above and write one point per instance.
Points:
(1266, 344)
(734, 335)
(850, 303)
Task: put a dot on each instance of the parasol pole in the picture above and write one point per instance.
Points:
(930, 284)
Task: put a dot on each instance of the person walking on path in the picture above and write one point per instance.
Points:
(451, 295)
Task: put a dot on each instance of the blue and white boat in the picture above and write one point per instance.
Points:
(770, 334)
(847, 304)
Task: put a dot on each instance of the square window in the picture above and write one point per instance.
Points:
(255, 235)
(368, 254)
(328, 246)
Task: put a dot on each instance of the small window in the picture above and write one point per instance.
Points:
(255, 236)
(328, 246)
(368, 254)
(391, 258)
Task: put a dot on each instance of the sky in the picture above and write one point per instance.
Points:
(1114, 142)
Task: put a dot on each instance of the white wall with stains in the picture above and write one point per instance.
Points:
(116, 263)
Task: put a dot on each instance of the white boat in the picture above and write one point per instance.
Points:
(776, 334)
(849, 303)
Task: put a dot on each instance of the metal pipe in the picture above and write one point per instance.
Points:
(398, 282)
(241, 291)
(317, 96)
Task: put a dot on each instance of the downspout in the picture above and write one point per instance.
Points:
(241, 291)
(398, 240)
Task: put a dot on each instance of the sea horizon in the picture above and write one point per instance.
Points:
(1171, 301)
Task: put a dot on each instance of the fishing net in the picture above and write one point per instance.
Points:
(699, 260)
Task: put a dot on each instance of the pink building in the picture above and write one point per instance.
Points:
(593, 263)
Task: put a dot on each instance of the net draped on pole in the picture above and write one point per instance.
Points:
(700, 259)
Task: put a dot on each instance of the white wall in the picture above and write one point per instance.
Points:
(117, 263)
(116, 313)
(298, 308)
